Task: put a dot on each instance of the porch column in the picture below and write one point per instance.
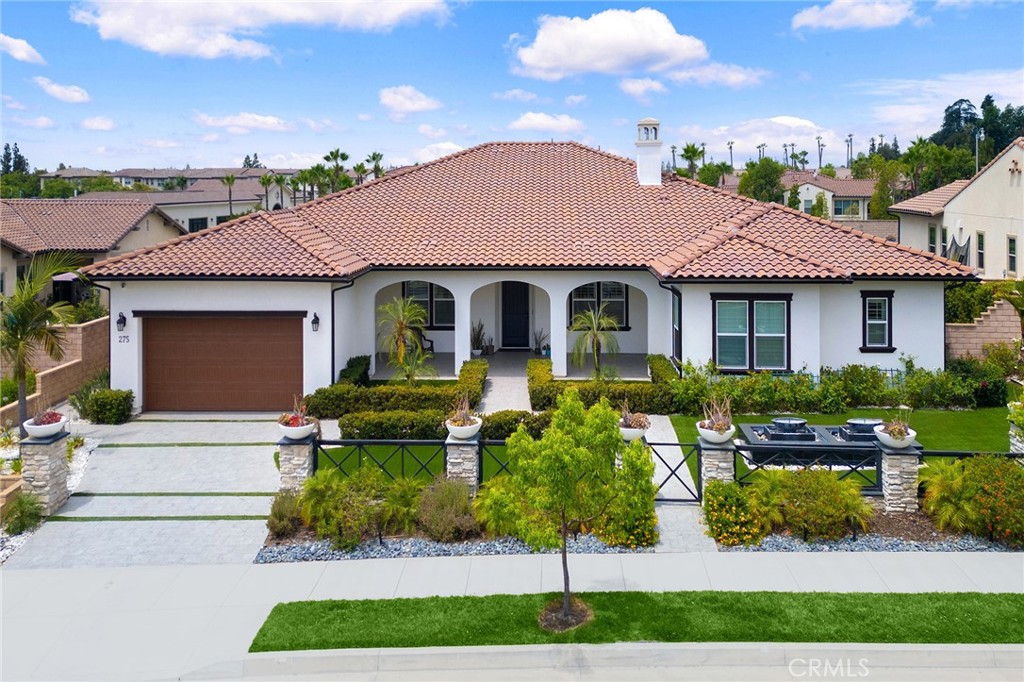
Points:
(463, 323)
(559, 334)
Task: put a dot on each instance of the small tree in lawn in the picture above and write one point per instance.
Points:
(566, 478)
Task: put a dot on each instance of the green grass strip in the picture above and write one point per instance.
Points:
(177, 494)
(649, 617)
(179, 445)
(222, 517)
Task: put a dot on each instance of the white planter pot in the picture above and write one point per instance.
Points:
(464, 432)
(44, 430)
(477, 352)
(629, 435)
(890, 442)
(712, 436)
(297, 432)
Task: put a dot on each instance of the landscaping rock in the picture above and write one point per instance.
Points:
(870, 543)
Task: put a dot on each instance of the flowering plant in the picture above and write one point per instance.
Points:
(298, 416)
(899, 426)
(47, 417)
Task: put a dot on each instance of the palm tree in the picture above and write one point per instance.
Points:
(375, 159)
(266, 180)
(337, 158)
(28, 324)
(295, 183)
(320, 177)
(415, 365)
(401, 327)
(361, 172)
(691, 152)
(595, 327)
(229, 182)
(281, 182)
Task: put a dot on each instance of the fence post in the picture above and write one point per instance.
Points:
(295, 459)
(899, 478)
(44, 470)
(717, 462)
(462, 460)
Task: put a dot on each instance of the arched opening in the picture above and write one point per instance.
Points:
(623, 309)
(516, 318)
(438, 338)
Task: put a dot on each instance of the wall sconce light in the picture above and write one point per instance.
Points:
(121, 321)
(316, 322)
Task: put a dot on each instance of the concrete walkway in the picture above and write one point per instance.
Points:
(166, 622)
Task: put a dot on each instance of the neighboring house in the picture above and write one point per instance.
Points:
(94, 229)
(519, 236)
(979, 222)
(205, 203)
(846, 199)
(74, 175)
(158, 177)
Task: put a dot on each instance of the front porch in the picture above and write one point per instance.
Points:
(627, 366)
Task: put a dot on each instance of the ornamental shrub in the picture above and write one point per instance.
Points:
(393, 425)
(995, 486)
(820, 505)
(947, 498)
(630, 519)
(866, 386)
(357, 371)
(662, 369)
(399, 507)
(284, 520)
(799, 394)
(831, 393)
(986, 378)
(80, 398)
(923, 388)
(643, 396)
(690, 390)
(110, 406)
(1004, 356)
(9, 388)
(23, 513)
(502, 424)
(445, 512)
(498, 507)
(728, 515)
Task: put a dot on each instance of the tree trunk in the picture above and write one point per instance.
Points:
(22, 405)
(565, 568)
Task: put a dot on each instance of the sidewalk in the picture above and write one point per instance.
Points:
(166, 622)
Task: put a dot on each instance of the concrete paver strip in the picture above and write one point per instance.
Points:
(218, 505)
(181, 469)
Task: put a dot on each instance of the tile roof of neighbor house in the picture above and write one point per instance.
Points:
(516, 204)
(75, 173)
(199, 173)
(34, 225)
(244, 191)
(930, 203)
(847, 187)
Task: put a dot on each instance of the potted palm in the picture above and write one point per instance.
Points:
(633, 425)
(45, 424)
(462, 423)
(477, 338)
(717, 426)
(297, 425)
(896, 433)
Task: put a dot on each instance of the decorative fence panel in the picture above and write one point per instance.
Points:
(396, 458)
(494, 460)
(863, 465)
(677, 471)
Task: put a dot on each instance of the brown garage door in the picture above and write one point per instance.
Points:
(221, 363)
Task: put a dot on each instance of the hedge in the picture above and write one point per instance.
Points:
(357, 371)
(500, 425)
(334, 401)
(394, 425)
(649, 397)
(110, 406)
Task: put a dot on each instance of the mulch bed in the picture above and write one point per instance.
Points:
(552, 619)
(915, 526)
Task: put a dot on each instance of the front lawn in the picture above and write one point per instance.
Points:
(648, 617)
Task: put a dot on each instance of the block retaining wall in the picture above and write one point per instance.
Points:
(999, 324)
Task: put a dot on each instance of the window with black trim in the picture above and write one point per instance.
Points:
(1011, 254)
(932, 237)
(677, 325)
(435, 299)
(751, 332)
(613, 295)
(196, 224)
(980, 249)
(876, 327)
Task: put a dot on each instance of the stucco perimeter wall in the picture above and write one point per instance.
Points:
(999, 324)
(192, 296)
(86, 354)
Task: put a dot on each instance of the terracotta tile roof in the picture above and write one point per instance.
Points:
(244, 193)
(73, 224)
(930, 203)
(845, 187)
(557, 204)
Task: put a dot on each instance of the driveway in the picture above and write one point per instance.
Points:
(165, 489)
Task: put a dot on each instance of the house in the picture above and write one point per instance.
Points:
(206, 202)
(979, 222)
(157, 178)
(846, 199)
(94, 229)
(73, 175)
(519, 236)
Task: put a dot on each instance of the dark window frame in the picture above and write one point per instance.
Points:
(750, 300)
(625, 301)
(979, 249)
(1011, 254)
(677, 331)
(933, 235)
(865, 296)
(430, 304)
(197, 221)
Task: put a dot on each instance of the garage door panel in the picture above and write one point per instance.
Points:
(221, 363)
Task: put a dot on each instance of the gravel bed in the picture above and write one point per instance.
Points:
(418, 547)
(870, 543)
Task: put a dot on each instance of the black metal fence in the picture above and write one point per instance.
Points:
(863, 465)
(675, 486)
(493, 460)
(396, 458)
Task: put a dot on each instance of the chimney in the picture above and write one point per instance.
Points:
(648, 152)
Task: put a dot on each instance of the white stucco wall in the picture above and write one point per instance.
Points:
(914, 230)
(211, 211)
(8, 269)
(126, 346)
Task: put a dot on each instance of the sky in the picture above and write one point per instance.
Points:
(157, 84)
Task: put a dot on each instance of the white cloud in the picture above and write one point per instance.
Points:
(210, 137)
(575, 100)
(730, 75)
(559, 123)
(430, 131)
(98, 123)
(404, 99)
(364, 117)
(225, 29)
(160, 143)
(319, 126)
(774, 131)
(865, 14)
(65, 93)
(11, 103)
(614, 41)
(515, 95)
(292, 160)
(963, 4)
(20, 50)
(39, 122)
(244, 122)
(436, 151)
(640, 87)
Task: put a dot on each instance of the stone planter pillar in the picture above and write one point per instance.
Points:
(295, 458)
(717, 463)
(462, 461)
(899, 478)
(44, 470)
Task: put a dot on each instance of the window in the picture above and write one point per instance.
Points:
(807, 205)
(196, 224)
(1011, 254)
(592, 296)
(677, 325)
(436, 300)
(223, 219)
(981, 250)
(850, 207)
(945, 240)
(751, 332)
(877, 322)
(931, 238)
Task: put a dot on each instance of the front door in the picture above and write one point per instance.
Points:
(515, 315)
